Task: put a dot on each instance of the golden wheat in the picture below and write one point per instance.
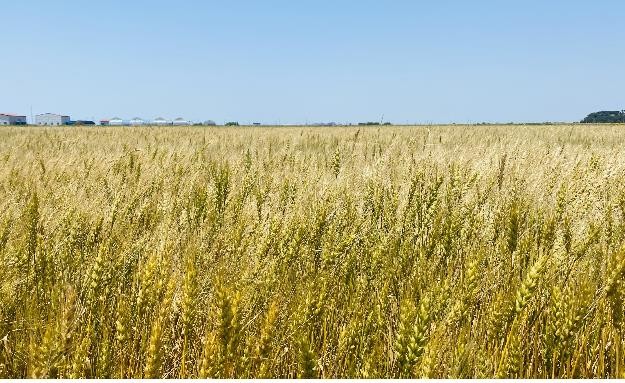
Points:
(440, 251)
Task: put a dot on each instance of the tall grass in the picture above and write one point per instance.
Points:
(444, 251)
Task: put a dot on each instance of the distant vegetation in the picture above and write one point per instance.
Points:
(519, 123)
(372, 123)
(232, 123)
(605, 116)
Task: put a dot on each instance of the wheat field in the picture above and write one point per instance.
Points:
(440, 251)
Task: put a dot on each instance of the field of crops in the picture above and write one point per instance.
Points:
(444, 251)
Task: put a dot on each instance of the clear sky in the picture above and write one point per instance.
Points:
(294, 61)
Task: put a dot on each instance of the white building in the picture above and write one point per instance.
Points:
(137, 121)
(11, 119)
(180, 121)
(51, 119)
(116, 121)
(160, 121)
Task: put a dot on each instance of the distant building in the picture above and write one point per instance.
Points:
(160, 121)
(104, 122)
(82, 122)
(116, 121)
(209, 123)
(180, 121)
(51, 119)
(11, 119)
(137, 121)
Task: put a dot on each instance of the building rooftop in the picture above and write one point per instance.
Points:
(11, 115)
(52, 114)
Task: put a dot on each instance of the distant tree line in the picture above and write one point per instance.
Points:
(605, 116)
(372, 123)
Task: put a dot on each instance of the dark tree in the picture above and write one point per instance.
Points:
(605, 116)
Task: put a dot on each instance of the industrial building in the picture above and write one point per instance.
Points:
(11, 119)
(81, 122)
(180, 121)
(116, 121)
(137, 121)
(51, 119)
(160, 121)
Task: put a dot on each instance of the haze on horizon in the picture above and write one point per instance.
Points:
(280, 61)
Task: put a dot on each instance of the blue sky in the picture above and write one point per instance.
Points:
(314, 60)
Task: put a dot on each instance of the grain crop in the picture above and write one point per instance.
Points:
(364, 252)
